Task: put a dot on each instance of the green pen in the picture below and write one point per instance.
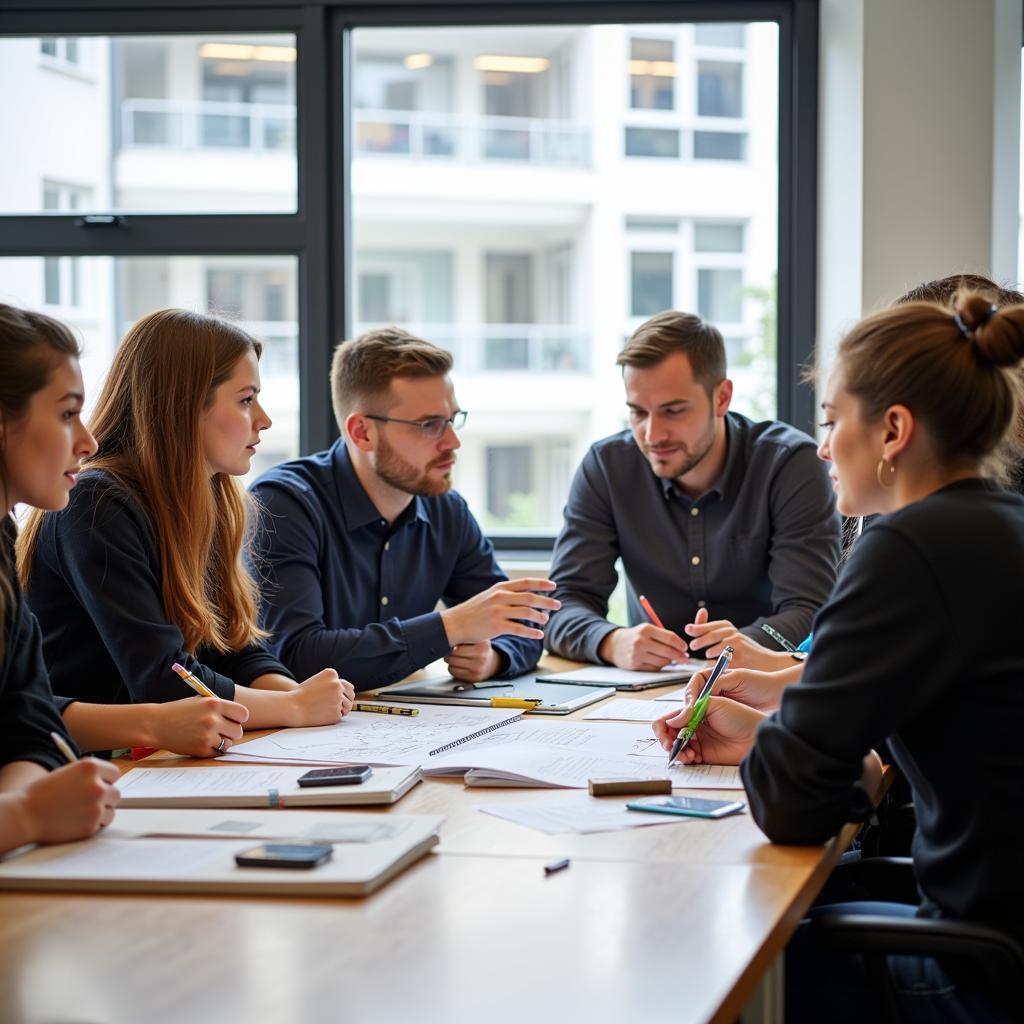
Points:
(700, 706)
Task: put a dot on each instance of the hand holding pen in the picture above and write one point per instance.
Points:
(700, 706)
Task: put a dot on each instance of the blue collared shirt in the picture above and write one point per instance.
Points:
(343, 589)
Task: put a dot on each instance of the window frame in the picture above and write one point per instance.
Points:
(319, 232)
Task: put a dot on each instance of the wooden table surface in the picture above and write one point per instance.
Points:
(668, 923)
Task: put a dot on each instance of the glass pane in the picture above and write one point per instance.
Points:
(100, 297)
(709, 237)
(718, 145)
(494, 215)
(720, 295)
(719, 88)
(652, 74)
(652, 142)
(651, 282)
(731, 35)
(151, 123)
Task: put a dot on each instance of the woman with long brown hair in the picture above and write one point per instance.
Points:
(146, 569)
(42, 440)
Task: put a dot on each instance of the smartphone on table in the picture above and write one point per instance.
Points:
(350, 776)
(300, 856)
(692, 806)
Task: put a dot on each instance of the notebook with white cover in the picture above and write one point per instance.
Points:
(239, 785)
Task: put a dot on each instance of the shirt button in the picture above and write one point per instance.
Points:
(702, 604)
(384, 600)
(694, 511)
(695, 560)
(383, 522)
(387, 544)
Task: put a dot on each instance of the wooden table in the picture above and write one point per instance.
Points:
(669, 923)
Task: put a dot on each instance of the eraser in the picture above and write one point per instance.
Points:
(628, 787)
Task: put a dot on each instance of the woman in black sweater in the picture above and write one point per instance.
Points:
(919, 644)
(42, 440)
(145, 568)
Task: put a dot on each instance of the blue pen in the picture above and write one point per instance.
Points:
(700, 706)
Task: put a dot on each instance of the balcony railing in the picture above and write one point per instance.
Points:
(421, 135)
(507, 348)
(208, 124)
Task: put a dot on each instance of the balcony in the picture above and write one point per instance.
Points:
(507, 348)
(437, 136)
(208, 124)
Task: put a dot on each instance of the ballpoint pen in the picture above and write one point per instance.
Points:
(651, 613)
(700, 705)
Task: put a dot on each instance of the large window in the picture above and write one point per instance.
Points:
(523, 194)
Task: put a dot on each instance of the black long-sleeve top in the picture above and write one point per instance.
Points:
(920, 645)
(27, 711)
(95, 586)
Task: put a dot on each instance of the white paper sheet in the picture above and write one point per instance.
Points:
(624, 709)
(609, 675)
(676, 696)
(582, 815)
(365, 738)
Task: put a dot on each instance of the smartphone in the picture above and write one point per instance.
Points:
(350, 776)
(694, 806)
(285, 855)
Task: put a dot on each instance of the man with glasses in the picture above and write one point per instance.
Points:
(358, 544)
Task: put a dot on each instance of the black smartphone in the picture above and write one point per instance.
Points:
(691, 806)
(350, 776)
(285, 855)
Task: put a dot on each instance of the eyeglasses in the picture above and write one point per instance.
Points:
(433, 427)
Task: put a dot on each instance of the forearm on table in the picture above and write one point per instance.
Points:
(268, 708)
(109, 726)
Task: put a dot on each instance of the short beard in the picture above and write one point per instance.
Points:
(402, 476)
(691, 458)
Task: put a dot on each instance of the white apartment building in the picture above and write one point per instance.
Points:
(525, 197)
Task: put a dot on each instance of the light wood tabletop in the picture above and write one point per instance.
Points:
(668, 923)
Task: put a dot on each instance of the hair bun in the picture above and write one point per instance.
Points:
(997, 335)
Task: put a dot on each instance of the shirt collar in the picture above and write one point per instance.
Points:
(727, 479)
(356, 506)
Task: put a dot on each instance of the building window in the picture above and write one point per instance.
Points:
(657, 142)
(720, 295)
(728, 35)
(651, 276)
(719, 146)
(652, 74)
(711, 237)
(62, 275)
(61, 49)
(509, 481)
(719, 88)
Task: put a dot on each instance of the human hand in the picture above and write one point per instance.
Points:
(73, 802)
(724, 737)
(711, 638)
(322, 699)
(760, 690)
(495, 611)
(645, 648)
(198, 726)
(473, 662)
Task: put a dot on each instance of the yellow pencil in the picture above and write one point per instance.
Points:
(384, 709)
(197, 684)
(515, 702)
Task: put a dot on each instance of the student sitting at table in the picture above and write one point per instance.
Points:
(145, 567)
(918, 646)
(359, 543)
(42, 799)
(706, 509)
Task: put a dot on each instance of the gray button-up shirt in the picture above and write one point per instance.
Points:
(762, 545)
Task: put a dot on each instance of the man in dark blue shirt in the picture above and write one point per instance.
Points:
(358, 544)
(711, 514)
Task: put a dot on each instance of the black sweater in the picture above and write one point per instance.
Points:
(920, 645)
(95, 586)
(27, 712)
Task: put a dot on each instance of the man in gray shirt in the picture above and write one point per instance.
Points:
(707, 509)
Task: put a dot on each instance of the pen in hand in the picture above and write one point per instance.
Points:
(64, 747)
(700, 705)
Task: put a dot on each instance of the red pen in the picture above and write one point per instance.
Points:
(651, 613)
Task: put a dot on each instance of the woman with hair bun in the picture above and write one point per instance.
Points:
(919, 645)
